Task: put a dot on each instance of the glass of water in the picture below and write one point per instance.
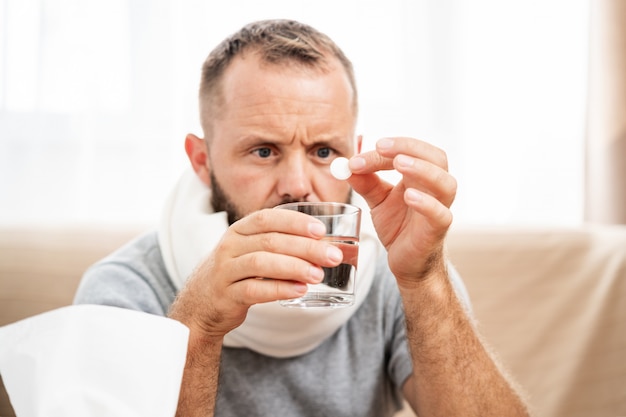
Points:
(343, 223)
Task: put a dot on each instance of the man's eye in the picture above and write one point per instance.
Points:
(264, 152)
(324, 152)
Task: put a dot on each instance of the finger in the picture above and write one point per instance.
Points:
(370, 162)
(278, 267)
(391, 147)
(428, 177)
(285, 232)
(254, 291)
(373, 189)
(438, 215)
(277, 220)
(313, 251)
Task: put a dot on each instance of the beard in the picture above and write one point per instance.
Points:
(221, 202)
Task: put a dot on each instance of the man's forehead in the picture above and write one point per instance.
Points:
(251, 86)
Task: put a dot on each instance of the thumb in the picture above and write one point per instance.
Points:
(373, 189)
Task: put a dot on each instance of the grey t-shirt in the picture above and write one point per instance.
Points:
(358, 371)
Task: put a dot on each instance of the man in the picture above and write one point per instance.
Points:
(278, 103)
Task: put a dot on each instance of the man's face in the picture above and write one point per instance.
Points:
(275, 137)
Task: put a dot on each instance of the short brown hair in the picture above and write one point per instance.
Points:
(277, 41)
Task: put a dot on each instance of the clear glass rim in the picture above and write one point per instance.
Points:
(348, 208)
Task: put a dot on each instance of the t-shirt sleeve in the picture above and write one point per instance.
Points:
(133, 278)
(116, 285)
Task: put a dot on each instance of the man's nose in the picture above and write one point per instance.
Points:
(294, 182)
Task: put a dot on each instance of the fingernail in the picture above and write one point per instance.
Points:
(384, 143)
(316, 273)
(404, 161)
(413, 195)
(317, 229)
(356, 163)
(334, 254)
(298, 289)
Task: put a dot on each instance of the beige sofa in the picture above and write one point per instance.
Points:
(551, 302)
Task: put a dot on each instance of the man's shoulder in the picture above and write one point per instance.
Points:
(142, 255)
(142, 247)
(133, 276)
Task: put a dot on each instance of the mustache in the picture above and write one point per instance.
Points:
(292, 200)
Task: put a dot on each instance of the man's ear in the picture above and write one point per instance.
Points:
(197, 153)
(359, 143)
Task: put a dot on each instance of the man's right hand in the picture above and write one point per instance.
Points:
(266, 256)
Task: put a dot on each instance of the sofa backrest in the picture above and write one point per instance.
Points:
(552, 304)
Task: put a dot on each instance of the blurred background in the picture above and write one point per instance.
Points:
(96, 98)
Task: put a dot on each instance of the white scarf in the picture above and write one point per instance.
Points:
(190, 230)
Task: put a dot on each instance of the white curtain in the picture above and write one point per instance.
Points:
(97, 96)
(605, 190)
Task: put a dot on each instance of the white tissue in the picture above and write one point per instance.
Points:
(88, 360)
